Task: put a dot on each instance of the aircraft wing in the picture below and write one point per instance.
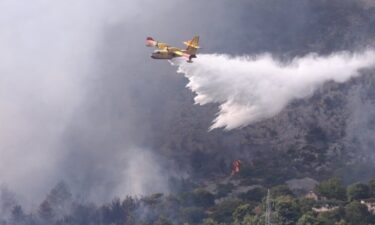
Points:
(182, 53)
(160, 45)
(150, 42)
(179, 52)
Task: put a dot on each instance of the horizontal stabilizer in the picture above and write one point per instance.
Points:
(187, 43)
(193, 43)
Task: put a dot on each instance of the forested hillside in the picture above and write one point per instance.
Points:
(314, 160)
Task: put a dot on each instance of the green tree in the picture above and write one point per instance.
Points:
(308, 219)
(203, 198)
(224, 210)
(46, 212)
(85, 214)
(18, 216)
(253, 220)
(287, 210)
(162, 221)
(306, 205)
(357, 191)
(113, 212)
(256, 194)
(341, 222)
(331, 217)
(59, 195)
(371, 185)
(209, 221)
(331, 189)
(192, 215)
(241, 211)
(223, 189)
(357, 214)
(280, 190)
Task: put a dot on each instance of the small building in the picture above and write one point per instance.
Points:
(325, 208)
(370, 203)
(312, 195)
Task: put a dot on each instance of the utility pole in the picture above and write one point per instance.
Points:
(268, 208)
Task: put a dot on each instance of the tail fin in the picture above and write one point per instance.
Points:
(192, 45)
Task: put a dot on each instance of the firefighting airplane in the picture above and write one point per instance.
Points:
(164, 51)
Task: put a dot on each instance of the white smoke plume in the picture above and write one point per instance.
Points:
(48, 58)
(143, 174)
(250, 89)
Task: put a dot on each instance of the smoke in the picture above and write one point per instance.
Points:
(48, 51)
(70, 108)
(251, 89)
(359, 129)
(143, 174)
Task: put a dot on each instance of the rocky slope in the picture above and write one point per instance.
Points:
(317, 137)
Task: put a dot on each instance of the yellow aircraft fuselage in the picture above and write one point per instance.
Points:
(164, 51)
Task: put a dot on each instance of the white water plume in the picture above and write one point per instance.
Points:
(250, 89)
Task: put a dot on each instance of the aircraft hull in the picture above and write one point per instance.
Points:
(162, 56)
